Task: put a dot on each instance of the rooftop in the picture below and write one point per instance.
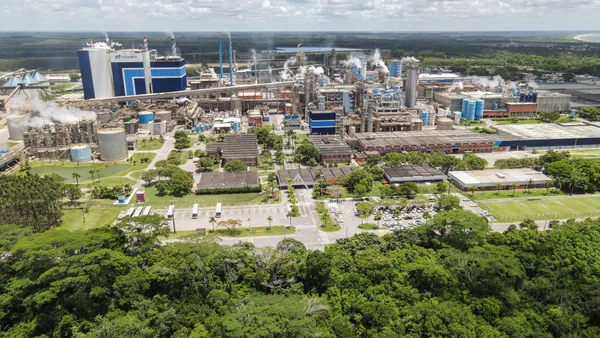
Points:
(330, 145)
(309, 176)
(236, 146)
(488, 178)
(408, 173)
(550, 130)
(420, 138)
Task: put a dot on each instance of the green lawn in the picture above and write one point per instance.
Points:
(491, 195)
(275, 230)
(376, 191)
(327, 223)
(161, 202)
(107, 169)
(94, 218)
(137, 174)
(368, 226)
(580, 153)
(60, 87)
(109, 182)
(11, 144)
(556, 208)
(154, 144)
(531, 121)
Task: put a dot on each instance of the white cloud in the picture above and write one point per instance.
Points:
(284, 15)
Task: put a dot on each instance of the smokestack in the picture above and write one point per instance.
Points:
(221, 59)
(145, 43)
(173, 45)
(333, 63)
(230, 63)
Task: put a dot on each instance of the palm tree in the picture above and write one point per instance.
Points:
(76, 176)
(98, 174)
(548, 185)
(514, 188)
(212, 221)
(290, 215)
(270, 220)
(91, 172)
(248, 223)
(473, 191)
(529, 183)
(498, 186)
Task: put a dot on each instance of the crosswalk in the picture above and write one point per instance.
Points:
(305, 226)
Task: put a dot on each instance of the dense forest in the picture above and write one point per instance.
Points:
(449, 278)
(503, 53)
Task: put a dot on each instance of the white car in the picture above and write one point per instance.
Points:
(474, 205)
(466, 200)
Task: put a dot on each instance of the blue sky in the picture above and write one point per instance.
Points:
(298, 15)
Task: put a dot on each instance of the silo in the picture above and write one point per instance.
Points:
(131, 127)
(103, 116)
(479, 109)
(471, 111)
(159, 128)
(16, 126)
(412, 76)
(145, 117)
(236, 126)
(112, 144)
(163, 115)
(465, 105)
(81, 154)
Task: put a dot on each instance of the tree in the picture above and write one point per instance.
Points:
(365, 209)
(448, 202)
(270, 220)
(408, 189)
(74, 77)
(205, 163)
(514, 187)
(372, 160)
(441, 187)
(392, 159)
(230, 224)
(359, 176)
(459, 228)
(143, 232)
(305, 152)
(473, 189)
(498, 187)
(548, 116)
(72, 192)
(182, 140)
(76, 176)
(474, 162)
(235, 166)
(149, 175)
(377, 173)
(212, 221)
(92, 172)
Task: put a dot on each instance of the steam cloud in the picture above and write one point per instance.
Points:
(286, 74)
(48, 113)
(379, 62)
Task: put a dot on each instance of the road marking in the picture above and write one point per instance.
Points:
(305, 226)
(251, 240)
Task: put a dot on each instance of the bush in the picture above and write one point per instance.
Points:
(368, 226)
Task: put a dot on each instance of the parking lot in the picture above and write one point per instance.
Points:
(258, 215)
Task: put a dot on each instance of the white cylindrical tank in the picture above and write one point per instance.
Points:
(112, 144)
(16, 126)
(160, 128)
(352, 131)
(81, 154)
(103, 116)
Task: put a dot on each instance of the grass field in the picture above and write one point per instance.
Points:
(154, 144)
(555, 208)
(532, 121)
(107, 170)
(94, 218)
(491, 195)
(239, 232)
(162, 202)
(11, 144)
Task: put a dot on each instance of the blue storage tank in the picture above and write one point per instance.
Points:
(425, 118)
(207, 126)
(534, 97)
(495, 106)
(523, 97)
(530, 97)
(573, 112)
(236, 126)
(121, 199)
(479, 109)
(295, 117)
(146, 117)
(287, 117)
(471, 111)
(465, 105)
(81, 154)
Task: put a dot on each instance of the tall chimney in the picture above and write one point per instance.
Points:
(230, 63)
(220, 59)
(173, 46)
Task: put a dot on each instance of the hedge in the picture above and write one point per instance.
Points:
(228, 190)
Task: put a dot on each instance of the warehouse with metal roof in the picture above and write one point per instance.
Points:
(224, 180)
(309, 177)
(243, 147)
(489, 179)
(413, 173)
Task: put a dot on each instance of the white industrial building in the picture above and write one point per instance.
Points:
(489, 179)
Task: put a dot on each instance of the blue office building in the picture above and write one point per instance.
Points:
(321, 122)
(108, 73)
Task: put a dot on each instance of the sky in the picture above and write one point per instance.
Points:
(298, 15)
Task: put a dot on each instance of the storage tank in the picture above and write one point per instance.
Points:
(457, 116)
(81, 154)
(522, 97)
(352, 131)
(112, 144)
(412, 78)
(131, 127)
(146, 117)
(471, 111)
(16, 126)
(534, 97)
(465, 105)
(425, 118)
(160, 128)
(163, 115)
(236, 126)
(479, 109)
(103, 116)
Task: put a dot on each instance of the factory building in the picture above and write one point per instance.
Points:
(547, 136)
(489, 179)
(324, 122)
(450, 142)
(332, 149)
(106, 72)
(243, 147)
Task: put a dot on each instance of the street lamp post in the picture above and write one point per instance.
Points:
(174, 229)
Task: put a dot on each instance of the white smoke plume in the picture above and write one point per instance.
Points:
(378, 62)
(39, 113)
(353, 60)
(106, 38)
(286, 74)
(494, 82)
(458, 85)
(271, 74)
(410, 61)
(254, 64)
(532, 85)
